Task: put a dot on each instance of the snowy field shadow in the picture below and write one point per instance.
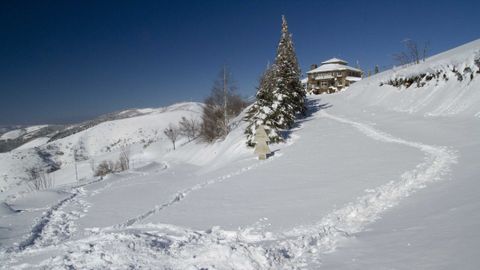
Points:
(271, 154)
(313, 106)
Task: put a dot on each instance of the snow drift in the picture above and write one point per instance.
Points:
(446, 84)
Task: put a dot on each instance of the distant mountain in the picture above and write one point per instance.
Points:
(56, 147)
(19, 135)
(6, 128)
(12, 137)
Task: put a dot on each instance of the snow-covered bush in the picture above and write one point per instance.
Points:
(444, 73)
(124, 159)
(122, 164)
(38, 179)
(104, 168)
(172, 133)
(189, 127)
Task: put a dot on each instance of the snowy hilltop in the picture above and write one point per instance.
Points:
(443, 85)
(383, 175)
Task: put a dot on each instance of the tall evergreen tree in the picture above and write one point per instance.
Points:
(288, 88)
(280, 95)
(262, 111)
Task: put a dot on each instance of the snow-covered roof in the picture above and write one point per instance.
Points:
(304, 80)
(335, 60)
(353, 79)
(332, 67)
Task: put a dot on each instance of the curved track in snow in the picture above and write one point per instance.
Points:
(180, 195)
(57, 224)
(355, 216)
(172, 247)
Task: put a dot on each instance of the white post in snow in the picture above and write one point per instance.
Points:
(261, 139)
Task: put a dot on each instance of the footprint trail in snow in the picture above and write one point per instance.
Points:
(173, 247)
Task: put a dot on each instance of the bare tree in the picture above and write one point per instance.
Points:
(172, 133)
(426, 47)
(401, 58)
(412, 53)
(212, 121)
(38, 179)
(124, 159)
(412, 49)
(189, 127)
(222, 105)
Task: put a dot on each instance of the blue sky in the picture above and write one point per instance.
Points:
(65, 61)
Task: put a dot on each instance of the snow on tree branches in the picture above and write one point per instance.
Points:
(280, 96)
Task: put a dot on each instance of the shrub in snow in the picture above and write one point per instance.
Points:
(104, 168)
(189, 128)
(108, 167)
(172, 133)
(124, 159)
(38, 179)
(477, 63)
(421, 79)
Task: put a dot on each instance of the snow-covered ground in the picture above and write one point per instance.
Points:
(375, 177)
(91, 146)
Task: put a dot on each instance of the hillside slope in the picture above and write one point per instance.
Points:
(436, 228)
(370, 179)
(446, 84)
(87, 146)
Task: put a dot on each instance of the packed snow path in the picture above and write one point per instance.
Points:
(354, 217)
(179, 196)
(58, 223)
(169, 246)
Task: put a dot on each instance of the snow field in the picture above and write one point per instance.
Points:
(321, 196)
(170, 246)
